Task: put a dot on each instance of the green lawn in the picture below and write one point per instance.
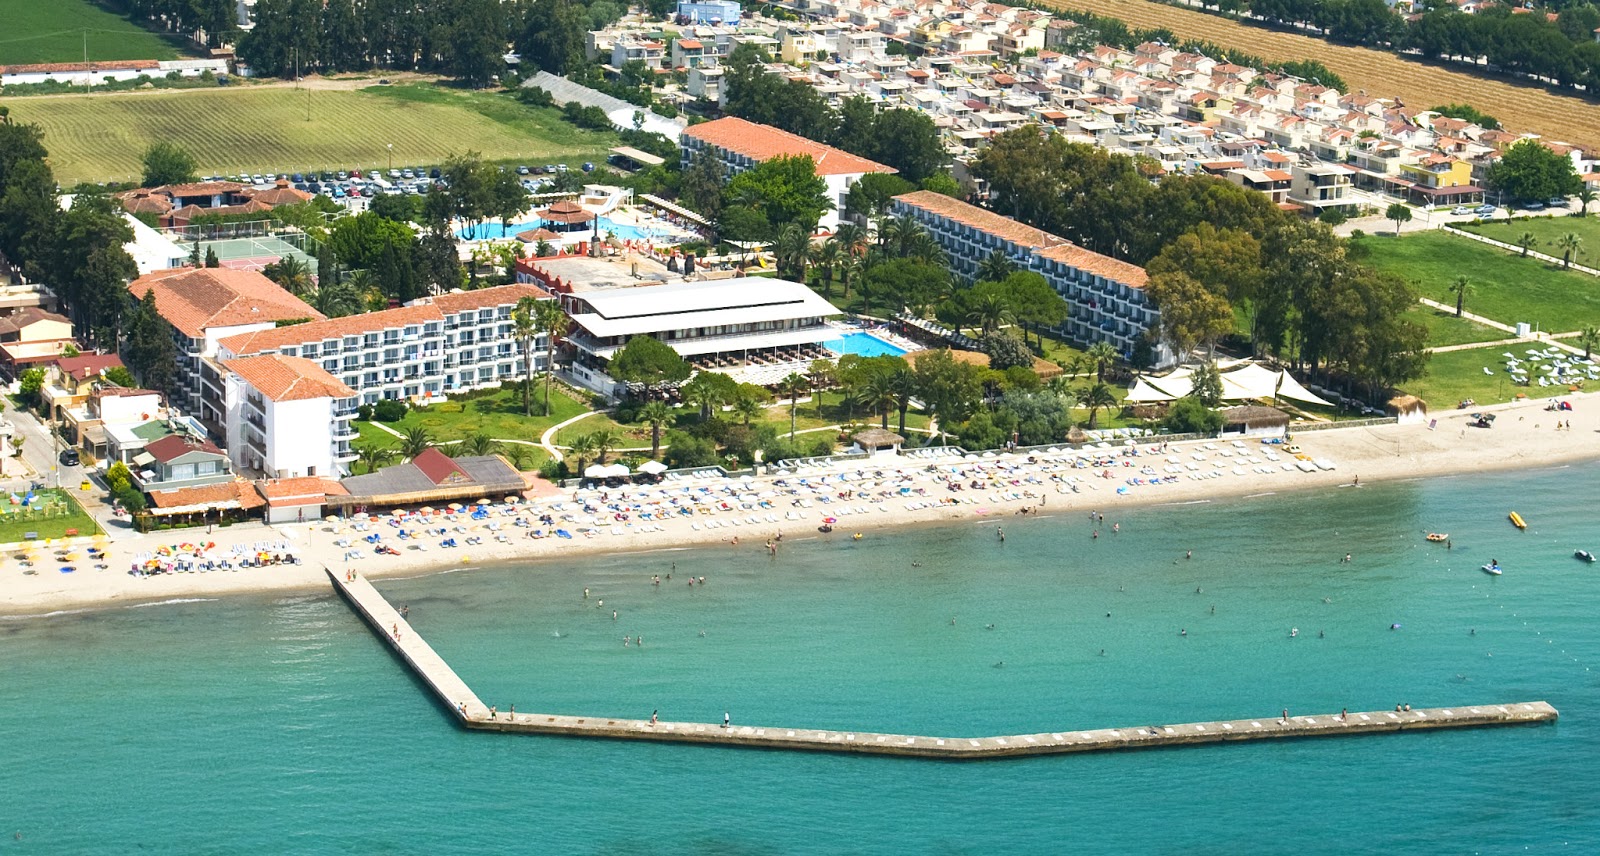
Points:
(1444, 328)
(1547, 230)
(1457, 375)
(37, 31)
(1509, 288)
(265, 129)
(58, 513)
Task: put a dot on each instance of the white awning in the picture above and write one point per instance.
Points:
(730, 344)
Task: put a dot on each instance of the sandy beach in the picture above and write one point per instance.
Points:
(868, 498)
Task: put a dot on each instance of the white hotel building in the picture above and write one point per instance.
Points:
(287, 418)
(1105, 296)
(429, 349)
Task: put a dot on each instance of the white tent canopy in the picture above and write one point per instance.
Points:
(652, 467)
(1240, 380)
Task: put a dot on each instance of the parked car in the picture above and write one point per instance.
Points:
(1534, 205)
(1461, 210)
(1484, 210)
(522, 170)
(588, 167)
(434, 173)
(69, 457)
(1556, 202)
(406, 173)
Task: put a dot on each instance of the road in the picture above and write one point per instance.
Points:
(39, 453)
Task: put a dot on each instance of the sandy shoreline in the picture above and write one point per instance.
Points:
(1523, 437)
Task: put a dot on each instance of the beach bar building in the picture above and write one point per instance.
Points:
(566, 217)
(431, 478)
(1252, 420)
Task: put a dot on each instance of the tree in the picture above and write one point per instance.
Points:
(823, 374)
(1206, 385)
(291, 273)
(478, 445)
(415, 442)
(525, 329)
(1585, 196)
(1096, 398)
(877, 393)
(1461, 288)
(1530, 171)
(749, 403)
(791, 251)
(825, 257)
(211, 258)
(119, 376)
(649, 362)
(1103, 355)
(709, 391)
(774, 193)
(656, 414)
(1568, 244)
(1399, 214)
(552, 321)
(604, 441)
(374, 456)
(1191, 314)
(1005, 350)
(28, 386)
(167, 163)
(1526, 241)
(869, 197)
(907, 285)
(793, 386)
(1188, 416)
(1033, 302)
(552, 35)
(583, 448)
(949, 390)
(149, 350)
(1589, 339)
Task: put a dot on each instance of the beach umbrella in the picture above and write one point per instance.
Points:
(426, 509)
(454, 506)
(618, 471)
(332, 518)
(653, 468)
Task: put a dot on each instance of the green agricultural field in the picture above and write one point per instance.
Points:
(1547, 230)
(35, 31)
(1509, 288)
(264, 129)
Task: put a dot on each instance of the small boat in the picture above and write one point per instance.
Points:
(1517, 521)
(1493, 568)
(1436, 537)
(1583, 556)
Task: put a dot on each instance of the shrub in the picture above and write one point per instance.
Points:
(389, 410)
(364, 413)
(1188, 416)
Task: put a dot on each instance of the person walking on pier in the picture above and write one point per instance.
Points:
(726, 720)
(653, 716)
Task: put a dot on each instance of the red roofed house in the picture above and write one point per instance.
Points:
(203, 305)
(1105, 296)
(178, 461)
(740, 145)
(296, 500)
(285, 417)
(30, 337)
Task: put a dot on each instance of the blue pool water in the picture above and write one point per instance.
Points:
(496, 232)
(278, 724)
(865, 345)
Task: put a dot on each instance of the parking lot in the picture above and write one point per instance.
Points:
(351, 186)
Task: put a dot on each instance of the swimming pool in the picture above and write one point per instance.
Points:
(865, 345)
(623, 231)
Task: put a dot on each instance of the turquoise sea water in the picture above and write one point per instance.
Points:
(278, 724)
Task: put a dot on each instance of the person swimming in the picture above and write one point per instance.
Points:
(1293, 632)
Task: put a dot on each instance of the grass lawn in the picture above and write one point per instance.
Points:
(265, 130)
(1509, 288)
(51, 520)
(38, 31)
(1457, 375)
(1547, 230)
(498, 414)
(1444, 328)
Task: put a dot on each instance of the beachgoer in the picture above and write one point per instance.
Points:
(586, 593)
(1344, 714)
(1189, 554)
(1097, 534)
(1285, 716)
(1184, 632)
(1293, 632)
(1357, 481)
(492, 712)
(1321, 635)
(513, 712)
(1000, 532)
(613, 615)
(1102, 652)
(1115, 528)
(726, 720)
(653, 716)
(1408, 708)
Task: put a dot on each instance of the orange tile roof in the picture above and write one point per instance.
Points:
(1095, 263)
(199, 188)
(288, 491)
(981, 219)
(118, 65)
(243, 492)
(763, 142)
(195, 299)
(282, 378)
(460, 301)
(245, 344)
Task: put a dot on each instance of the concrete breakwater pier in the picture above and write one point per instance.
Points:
(471, 713)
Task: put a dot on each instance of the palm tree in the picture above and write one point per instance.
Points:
(525, 328)
(543, 249)
(789, 251)
(518, 454)
(1096, 398)
(1568, 244)
(824, 373)
(922, 247)
(604, 441)
(374, 456)
(1585, 196)
(996, 267)
(1526, 240)
(552, 321)
(748, 408)
(656, 414)
(1461, 288)
(478, 445)
(1104, 356)
(905, 386)
(879, 394)
(583, 448)
(849, 269)
(792, 386)
(851, 238)
(988, 312)
(1589, 339)
(825, 257)
(415, 442)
